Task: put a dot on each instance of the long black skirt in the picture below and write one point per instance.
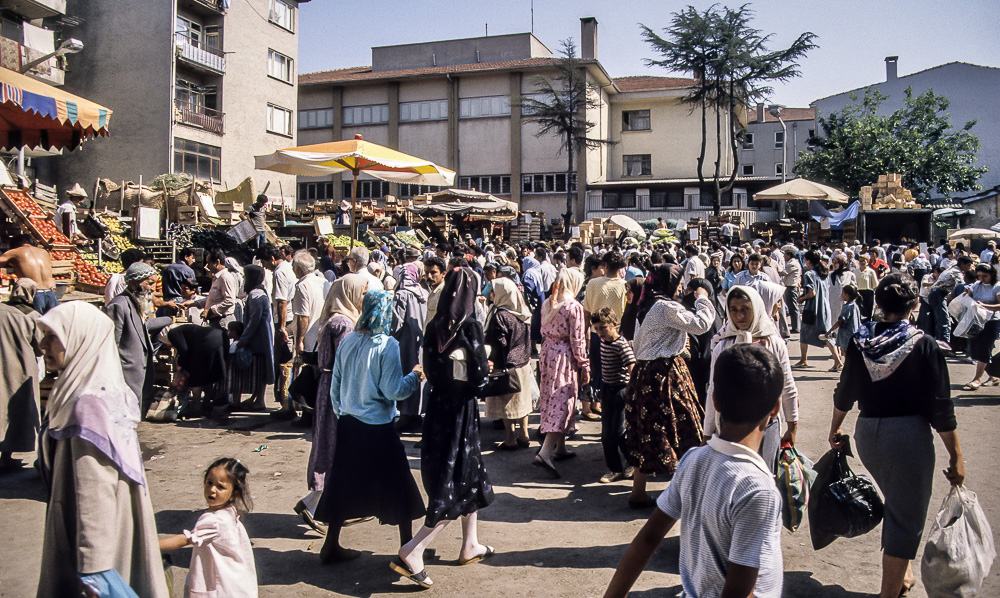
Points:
(370, 477)
(451, 464)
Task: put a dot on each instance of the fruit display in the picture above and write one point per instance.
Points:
(44, 228)
(88, 273)
(111, 221)
(343, 241)
(182, 233)
(409, 239)
(121, 242)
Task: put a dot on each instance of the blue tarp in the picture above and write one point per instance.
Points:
(837, 220)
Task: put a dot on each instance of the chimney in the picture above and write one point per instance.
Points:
(890, 68)
(760, 113)
(588, 38)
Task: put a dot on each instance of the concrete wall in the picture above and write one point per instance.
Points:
(972, 91)
(458, 51)
(764, 155)
(987, 212)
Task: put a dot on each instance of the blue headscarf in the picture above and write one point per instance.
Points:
(376, 315)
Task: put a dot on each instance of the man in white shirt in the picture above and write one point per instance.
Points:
(307, 308)
(65, 215)
(284, 290)
(357, 261)
(693, 266)
(728, 230)
(987, 255)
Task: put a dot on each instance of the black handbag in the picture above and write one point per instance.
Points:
(809, 312)
(305, 385)
(842, 504)
(501, 382)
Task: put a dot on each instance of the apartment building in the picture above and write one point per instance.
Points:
(197, 87)
(768, 148)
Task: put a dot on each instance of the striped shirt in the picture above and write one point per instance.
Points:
(738, 521)
(616, 357)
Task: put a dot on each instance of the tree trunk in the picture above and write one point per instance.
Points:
(717, 191)
(568, 216)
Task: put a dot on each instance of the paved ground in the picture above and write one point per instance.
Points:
(554, 538)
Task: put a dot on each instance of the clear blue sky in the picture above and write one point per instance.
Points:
(854, 36)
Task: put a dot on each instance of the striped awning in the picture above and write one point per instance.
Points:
(33, 114)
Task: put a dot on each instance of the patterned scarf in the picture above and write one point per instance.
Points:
(376, 315)
(884, 352)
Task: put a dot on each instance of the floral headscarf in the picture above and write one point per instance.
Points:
(884, 352)
(376, 315)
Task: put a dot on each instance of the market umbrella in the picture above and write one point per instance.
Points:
(629, 224)
(974, 233)
(462, 202)
(357, 156)
(801, 189)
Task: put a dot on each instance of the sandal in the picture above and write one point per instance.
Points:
(836, 368)
(490, 551)
(540, 462)
(972, 386)
(992, 382)
(421, 578)
(801, 366)
(563, 456)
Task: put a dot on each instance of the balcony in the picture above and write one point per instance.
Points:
(35, 9)
(205, 7)
(199, 55)
(199, 116)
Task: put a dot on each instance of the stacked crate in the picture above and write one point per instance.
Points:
(521, 231)
(887, 193)
(229, 213)
(188, 215)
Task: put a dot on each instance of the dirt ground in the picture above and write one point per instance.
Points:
(553, 538)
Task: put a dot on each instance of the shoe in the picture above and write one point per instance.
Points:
(612, 476)
(972, 386)
(523, 443)
(591, 417)
(302, 511)
(282, 415)
(801, 366)
(563, 456)
(836, 368)
(992, 382)
(539, 462)
(482, 557)
(629, 472)
(351, 522)
(419, 578)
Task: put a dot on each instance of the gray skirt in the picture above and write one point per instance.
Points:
(899, 454)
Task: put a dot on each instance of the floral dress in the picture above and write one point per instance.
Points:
(563, 355)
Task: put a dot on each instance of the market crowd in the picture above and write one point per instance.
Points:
(679, 350)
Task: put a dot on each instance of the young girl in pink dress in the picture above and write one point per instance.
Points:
(222, 560)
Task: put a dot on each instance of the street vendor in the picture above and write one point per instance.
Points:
(65, 216)
(35, 263)
(256, 215)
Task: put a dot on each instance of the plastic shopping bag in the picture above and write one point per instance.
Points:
(972, 321)
(795, 476)
(842, 503)
(959, 549)
(958, 305)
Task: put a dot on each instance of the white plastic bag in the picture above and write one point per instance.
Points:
(959, 304)
(972, 321)
(959, 550)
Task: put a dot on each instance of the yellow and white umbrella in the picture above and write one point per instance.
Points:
(801, 189)
(357, 156)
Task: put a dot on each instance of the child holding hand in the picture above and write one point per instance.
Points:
(222, 560)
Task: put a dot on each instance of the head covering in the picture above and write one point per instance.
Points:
(456, 305)
(139, 271)
(76, 191)
(233, 266)
(253, 278)
(761, 324)
(409, 280)
(661, 283)
(345, 297)
(411, 251)
(22, 296)
(90, 399)
(569, 281)
(884, 352)
(376, 315)
(507, 296)
(788, 249)
(631, 307)
(377, 256)
(770, 292)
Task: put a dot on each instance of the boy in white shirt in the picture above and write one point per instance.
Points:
(731, 536)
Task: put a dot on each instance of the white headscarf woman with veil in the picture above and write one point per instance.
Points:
(749, 321)
(99, 522)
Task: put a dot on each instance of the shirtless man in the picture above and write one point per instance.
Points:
(32, 262)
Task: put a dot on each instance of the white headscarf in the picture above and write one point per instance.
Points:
(344, 298)
(761, 326)
(90, 399)
(569, 281)
(506, 296)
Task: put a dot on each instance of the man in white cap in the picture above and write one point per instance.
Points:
(128, 311)
(65, 216)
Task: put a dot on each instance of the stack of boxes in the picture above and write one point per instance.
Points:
(229, 213)
(188, 215)
(887, 193)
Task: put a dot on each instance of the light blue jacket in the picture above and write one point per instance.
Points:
(368, 379)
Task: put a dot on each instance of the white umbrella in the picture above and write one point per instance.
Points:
(974, 233)
(629, 224)
(801, 189)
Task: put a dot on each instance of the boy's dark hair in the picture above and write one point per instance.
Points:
(190, 283)
(604, 316)
(754, 257)
(237, 473)
(458, 262)
(575, 253)
(185, 252)
(134, 255)
(748, 383)
(897, 293)
(613, 262)
(691, 249)
(236, 328)
(964, 259)
(434, 261)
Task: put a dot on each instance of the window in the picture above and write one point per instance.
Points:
(195, 96)
(747, 141)
(495, 184)
(740, 196)
(408, 190)
(198, 160)
(484, 107)
(779, 139)
(746, 169)
(315, 119)
(315, 191)
(706, 199)
(187, 30)
(670, 198)
(366, 115)
(635, 120)
(779, 169)
(637, 165)
(546, 183)
(618, 199)
(426, 110)
(282, 14)
(368, 189)
(279, 66)
(279, 120)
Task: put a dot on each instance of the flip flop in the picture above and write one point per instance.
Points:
(971, 386)
(539, 462)
(801, 366)
(421, 578)
(992, 382)
(482, 557)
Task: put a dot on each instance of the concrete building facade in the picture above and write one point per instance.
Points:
(197, 87)
(767, 148)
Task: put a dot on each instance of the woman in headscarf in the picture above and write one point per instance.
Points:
(816, 316)
(369, 475)
(241, 295)
(409, 315)
(899, 378)
(749, 321)
(257, 341)
(340, 313)
(633, 290)
(451, 465)
(22, 297)
(99, 525)
(662, 413)
(507, 336)
(563, 365)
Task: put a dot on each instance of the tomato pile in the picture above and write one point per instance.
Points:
(38, 218)
(88, 273)
(25, 203)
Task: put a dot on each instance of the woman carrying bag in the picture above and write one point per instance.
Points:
(510, 350)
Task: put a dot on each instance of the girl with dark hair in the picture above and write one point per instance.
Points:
(846, 325)
(735, 267)
(986, 292)
(258, 341)
(815, 300)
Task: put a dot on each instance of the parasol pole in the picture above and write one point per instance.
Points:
(354, 207)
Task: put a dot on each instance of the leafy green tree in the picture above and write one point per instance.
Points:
(858, 144)
(733, 70)
(559, 108)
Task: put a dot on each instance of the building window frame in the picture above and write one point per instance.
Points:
(202, 154)
(636, 120)
(367, 188)
(496, 184)
(635, 165)
(705, 199)
(666, 198)
(551, 182)
(746, 170)
(779, 169)
(779, 139)
(413, 189)
(321, 118)
(279, 120)
(282, 14)
(747, 141)
(484, 107)
(369, 114)
(315, 191)
(280, 66)
(423, 110)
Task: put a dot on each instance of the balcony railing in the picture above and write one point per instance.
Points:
(199, 116)
(199, 54)
(641, 210)
(207, 7)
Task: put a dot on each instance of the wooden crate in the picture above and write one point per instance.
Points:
(235, 206)
(62, 267)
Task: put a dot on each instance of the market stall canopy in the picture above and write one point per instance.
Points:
(33, 114)
(629, 224)
(462, 202)
(974, 233)
(801, 189)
